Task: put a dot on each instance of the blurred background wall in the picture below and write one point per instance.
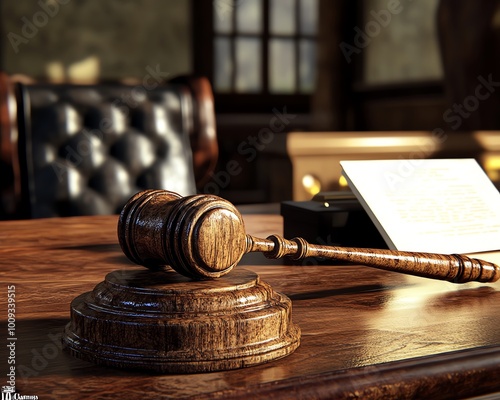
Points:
(91, 39)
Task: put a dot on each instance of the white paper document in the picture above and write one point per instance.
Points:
(434, 206)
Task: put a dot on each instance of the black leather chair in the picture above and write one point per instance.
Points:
(71, 150)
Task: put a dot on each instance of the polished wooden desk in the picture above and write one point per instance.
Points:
(366, 333)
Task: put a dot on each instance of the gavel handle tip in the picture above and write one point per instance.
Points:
(493, 268)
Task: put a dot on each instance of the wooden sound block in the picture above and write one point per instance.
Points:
(164, 322)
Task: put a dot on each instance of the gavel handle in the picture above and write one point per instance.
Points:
(453, 268)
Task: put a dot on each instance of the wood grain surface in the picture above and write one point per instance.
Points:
(366, 333)
(164, 322)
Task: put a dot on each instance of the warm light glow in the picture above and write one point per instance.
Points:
(311, 184)
(343, 182)
(86, 70)
(492, 167)
(55, 71)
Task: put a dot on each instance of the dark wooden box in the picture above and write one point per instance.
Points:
(341, 222)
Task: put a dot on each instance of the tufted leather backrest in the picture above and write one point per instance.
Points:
(87, 149)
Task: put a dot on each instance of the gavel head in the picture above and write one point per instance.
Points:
(199, 236)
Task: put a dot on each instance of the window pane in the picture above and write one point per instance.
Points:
(223, 65)
(308, 15)
(248, 65)
(248, 16)
(223, 16)
(307, 65)
(281, 65)
(282, 17)
(406, 49)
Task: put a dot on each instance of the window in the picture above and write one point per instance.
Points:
(260, 47)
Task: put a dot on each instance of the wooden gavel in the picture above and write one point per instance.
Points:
(203, 236)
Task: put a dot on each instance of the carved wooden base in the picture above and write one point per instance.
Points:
(164, 322)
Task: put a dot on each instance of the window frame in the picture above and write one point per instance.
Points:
(233, 102)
